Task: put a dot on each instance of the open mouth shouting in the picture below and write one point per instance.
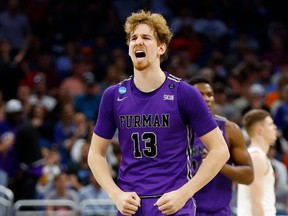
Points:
(140, 54)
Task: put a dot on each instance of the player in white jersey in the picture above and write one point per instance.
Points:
(258, 198)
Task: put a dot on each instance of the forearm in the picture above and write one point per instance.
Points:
(238, 174)
(101, 171)
(207, 170)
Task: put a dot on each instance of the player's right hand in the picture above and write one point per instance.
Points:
(128, 203)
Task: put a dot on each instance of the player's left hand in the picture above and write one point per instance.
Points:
(171, 202)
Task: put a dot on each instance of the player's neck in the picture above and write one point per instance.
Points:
(149, 81)
(260, 143)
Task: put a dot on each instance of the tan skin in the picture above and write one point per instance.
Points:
(242, 170)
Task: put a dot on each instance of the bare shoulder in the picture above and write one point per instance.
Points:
(259, 160)
(234, 135)
(232, 126)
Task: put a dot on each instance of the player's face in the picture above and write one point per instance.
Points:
(269, 130)
(143, 47)
(207, 92)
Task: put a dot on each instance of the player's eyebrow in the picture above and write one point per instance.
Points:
(141, 35)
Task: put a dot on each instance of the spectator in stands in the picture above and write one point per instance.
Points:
(112, 76)
(46, 66)
(276, 52)
(20, 154)
(81, 131)
(8, 158)
(52, 167)
(64, 61)
(256, 98)
(79, 171)
(15, 26)
(64, 129)
(265, 75)
(275, 98)
(94, 191)
(38, 118)
(63, 98)
(74, 84)
(280, 116)
(40, 93)
(183, 18)
(101, 53)
(187, 40)
(23, 95)
(61, 190)
(88, 102)
(210, 26)
(243, 42)
(11, 72)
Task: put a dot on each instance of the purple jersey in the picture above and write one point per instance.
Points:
(216, 195)
(153, 131)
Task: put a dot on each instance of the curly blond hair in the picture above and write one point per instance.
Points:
(156, 21)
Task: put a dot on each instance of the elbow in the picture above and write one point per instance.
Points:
(249, 178)
(223, 154)
(226, 154)
(94, 157)
(89, 159)
(248, 181)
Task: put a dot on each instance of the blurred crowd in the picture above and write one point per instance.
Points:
(58, 56)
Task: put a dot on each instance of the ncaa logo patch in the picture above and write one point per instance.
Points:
(122, 90)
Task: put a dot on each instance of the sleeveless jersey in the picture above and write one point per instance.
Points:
(154, 140)
(268, 202)
(217, 194)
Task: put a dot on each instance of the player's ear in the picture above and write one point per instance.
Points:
(258, 128)
(162, 49)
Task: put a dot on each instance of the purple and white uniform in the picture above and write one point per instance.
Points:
(154, 133)
(214, 198)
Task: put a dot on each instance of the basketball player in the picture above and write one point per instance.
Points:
(152, 111)
(214, 198)
(258, 198)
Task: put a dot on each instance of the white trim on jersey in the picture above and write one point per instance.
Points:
(174, 78)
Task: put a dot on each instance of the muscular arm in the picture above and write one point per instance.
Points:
(99, 166)
(218, 151)
(242, 170)
(127, 203)
(257, 186)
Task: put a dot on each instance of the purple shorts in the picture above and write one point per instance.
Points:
(148, 209)
(222, 212)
